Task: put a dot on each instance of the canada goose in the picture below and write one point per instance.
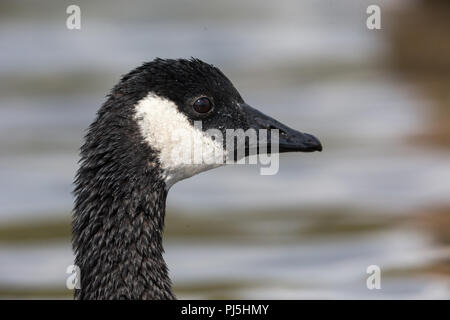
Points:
(127, 168)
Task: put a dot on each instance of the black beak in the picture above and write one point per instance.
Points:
(290, 140)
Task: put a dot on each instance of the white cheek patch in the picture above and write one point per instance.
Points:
(183, 149)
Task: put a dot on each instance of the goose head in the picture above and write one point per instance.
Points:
(191, 115)
(164, 121)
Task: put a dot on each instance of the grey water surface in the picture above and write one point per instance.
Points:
(309, 231)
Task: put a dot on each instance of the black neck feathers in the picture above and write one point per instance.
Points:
(119, 211)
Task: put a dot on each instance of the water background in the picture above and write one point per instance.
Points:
(308, 232)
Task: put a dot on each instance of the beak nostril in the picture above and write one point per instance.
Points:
(282, 132)
(290, 140)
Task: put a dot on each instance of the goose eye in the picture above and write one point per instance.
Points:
(202, 105)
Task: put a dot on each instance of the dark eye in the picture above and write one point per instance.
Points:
(202, 105)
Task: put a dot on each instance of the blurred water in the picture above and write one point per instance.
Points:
(312, 65)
